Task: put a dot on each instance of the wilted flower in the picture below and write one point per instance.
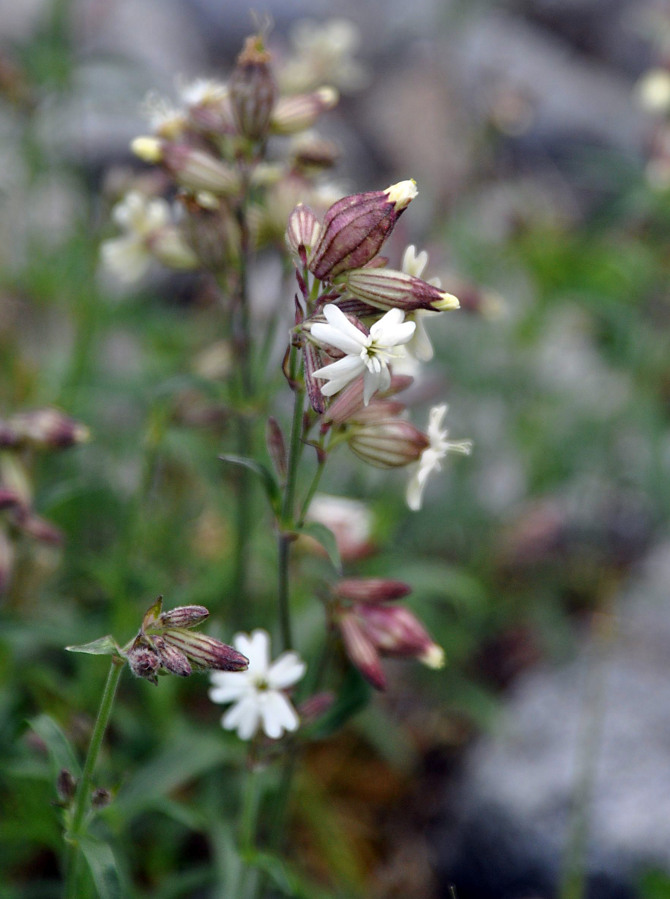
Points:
(258, 694)
(367, 353)
(432, 456)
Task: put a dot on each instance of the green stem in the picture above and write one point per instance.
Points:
(313, 487)
(82, 796)
(287, 522)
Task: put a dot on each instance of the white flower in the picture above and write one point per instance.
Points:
(256, 694)
(431, 457)
(140, 217)
(419, 346)
(366, 354)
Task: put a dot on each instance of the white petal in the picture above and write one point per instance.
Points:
(371, 382)
(340, 373)
(278, 715)
(228, 691)
(256, 647)
(329, 335)
(244, 717)
(338, 319)
(286, 670)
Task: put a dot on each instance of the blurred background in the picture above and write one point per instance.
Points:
(536, 764)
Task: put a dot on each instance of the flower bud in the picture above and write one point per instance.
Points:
(7, 554)
(184, 616)
(349, 402)
(361, 650)
(313, 708)
(206, 652)
(47, 429)
(100, 798)
(144, 661)
(274, 440)
(66, 785)
(355, 227)
(395, 631)
(370, 589)
(313, 154)
(302, 230)
(172, 659)
(253, 90)
(387, 444)
(191, 168)
(38, 528)
(387, 289)
(297, 113)
(9, 498)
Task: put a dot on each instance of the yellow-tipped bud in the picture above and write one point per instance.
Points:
(148, 149)
(445, 302)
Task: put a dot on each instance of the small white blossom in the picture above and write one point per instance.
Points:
(140, 217)
(431, 457)
(366, 354)
(419, 347)
(257, 693)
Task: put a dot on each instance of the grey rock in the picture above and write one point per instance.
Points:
(595, 732)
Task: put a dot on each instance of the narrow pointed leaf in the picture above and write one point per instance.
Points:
(103, 868)
(325, 537)
(267, 479)
(103, 646)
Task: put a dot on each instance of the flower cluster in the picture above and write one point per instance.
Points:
(166, 644)
(357, 319)
(211, 147)
(372, 626)
(20, 436)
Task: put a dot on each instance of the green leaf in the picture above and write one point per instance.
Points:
(326, 538)
(185, 757)
(103, 646)
(267, 478)
(103, 867)
(285, 878)
(60, 750)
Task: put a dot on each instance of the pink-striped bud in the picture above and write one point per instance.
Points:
(395, 631)
(355, 227)
(184, 616)
(386, 289)
(253, 91)
(299, 112)
(44, 429)
(361, 650)
(191, 168)
(370, 589)
(302, 230)
(349, 402)
(389, 443)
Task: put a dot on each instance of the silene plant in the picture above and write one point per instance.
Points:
(232, 169)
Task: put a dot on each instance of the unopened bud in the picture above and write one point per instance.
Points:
(314, 154)
(395, 631)
(387, 444)
(144, 662)
(184, 616)
(349, 402)
(313, 708)
(276, 447)
(191, 168)
(7, 553)
(355, 227)
(361, 651)
(47, 429)
(100, 798)
(253, 90)
(388, 289)
(206, 652)
(370, 589)
(172, 659)
(38, 528)
(302, 230)
(299, 112)
(66, 785)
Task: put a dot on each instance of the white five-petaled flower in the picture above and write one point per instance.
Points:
(366, 354)
(257, 693)
(431, 457)
(140, 218)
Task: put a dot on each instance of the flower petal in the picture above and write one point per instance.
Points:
(278, 715)
(244, 717)
(286, 670)
(256, 647)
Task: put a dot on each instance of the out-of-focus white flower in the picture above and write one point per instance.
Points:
(165, 119)
(202, 91)
(257, 693)
(149, 234)
(432, 456)
(653, 91)
(350, 520)
(323, 53)
(366, 354)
